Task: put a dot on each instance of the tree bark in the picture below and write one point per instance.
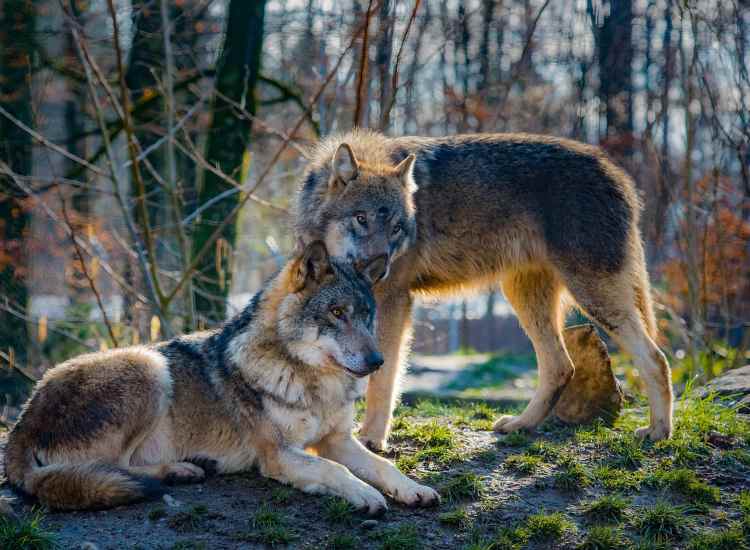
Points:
(228, 141)
(17, 24)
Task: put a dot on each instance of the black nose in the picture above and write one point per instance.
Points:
(374, 360)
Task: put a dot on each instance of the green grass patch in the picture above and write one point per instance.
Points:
(338, 510)
(606, 509)
(604, 537)
(544, 449)
(686, 483)
(627, 451)
(743, 500)
(548, 527)
(282, 495)
(524, 464)
(271, 528)
(464, 486)
(26, 533)
(188, 520)
(661, 522)
(617, 479)
(404, 537)
(457, 518)
(572, 476)
(342, 541)
(514, 439)
(723, 539)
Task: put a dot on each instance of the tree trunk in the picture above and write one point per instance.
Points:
(615, 54)
(17, 19)
(229, 137)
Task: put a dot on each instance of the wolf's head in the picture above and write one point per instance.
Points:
(366, 216)
(327, 318)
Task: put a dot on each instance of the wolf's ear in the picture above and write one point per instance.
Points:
(405, 169)
(312, 266)
(345, 166)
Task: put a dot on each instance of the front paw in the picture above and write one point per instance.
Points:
(179, 473)
(507, 424)
(415, 494)
(375, 444)
(367, 499)
(655, 433)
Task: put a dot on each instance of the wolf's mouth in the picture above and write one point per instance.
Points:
(353, 373)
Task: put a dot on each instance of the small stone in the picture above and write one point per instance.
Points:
(172, 502)
(593, 392)
(88, 546)
(369, 524)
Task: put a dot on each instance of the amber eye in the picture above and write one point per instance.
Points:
(397, 229)
(361, 219)
(337, 312)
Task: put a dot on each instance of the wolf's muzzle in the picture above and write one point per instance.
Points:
(373, 361)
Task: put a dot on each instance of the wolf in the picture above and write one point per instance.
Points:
(110, 428)
(554, 222)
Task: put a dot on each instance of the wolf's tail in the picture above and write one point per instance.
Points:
(91, 485)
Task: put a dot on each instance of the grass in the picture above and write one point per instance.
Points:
(548, 527)
(464, 486)
(661, 522)
(404, 537)
(457, 518)
(524, 464)
(606, 509)
(157, 513)
(514, 439)
(26, 533)
(337, 510)
(342, 541)
(686, 483)
(270, 527)
(189, 520)
(724, 539)
(572, 477)
(604, 537)
(437, 442)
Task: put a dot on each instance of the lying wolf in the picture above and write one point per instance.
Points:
(552, 220)
(107, 428)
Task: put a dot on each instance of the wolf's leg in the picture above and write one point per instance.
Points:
(314, 474)
(394, 333)
(174, 473)
(535, 296)
(621, 305)
(374, 469)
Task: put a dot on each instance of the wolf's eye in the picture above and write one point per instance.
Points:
(337, 312)
(397, 229)
(361, 219)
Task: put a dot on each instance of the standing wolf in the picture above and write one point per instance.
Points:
(105, 429)
(552, 220)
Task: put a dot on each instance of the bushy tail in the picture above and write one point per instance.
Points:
(87, 486)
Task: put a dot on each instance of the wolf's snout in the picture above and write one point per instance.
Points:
(374, 360)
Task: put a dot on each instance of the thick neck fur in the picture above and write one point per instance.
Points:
(269, 367)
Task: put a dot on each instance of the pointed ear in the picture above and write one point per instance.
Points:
(405, 168)
(344, 165)
(312, 266)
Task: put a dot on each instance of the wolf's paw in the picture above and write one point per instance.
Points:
(654, 433)
(180, 473)
(415, 494)
(367, 499)
(507, 424)
(376, 445)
